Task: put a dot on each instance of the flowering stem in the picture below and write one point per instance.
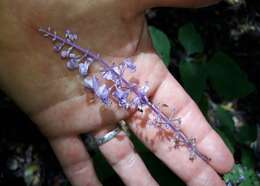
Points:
(145, 101)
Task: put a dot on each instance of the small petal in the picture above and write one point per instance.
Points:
(70, 36)
(64, 54)
(121, 97)
(83, 68)
(72, 64)
(144, 89)
(91, 83)
(117, 70)
(67, 33)
(95, 83)
(136, 102)
(113, 74)
(129, 64)
(88, 83)
(58, 47)
(108, 75)
(90, 59)
(120, 94)
(103, 93)
(54, 38)
(74, 37)
(72, 55)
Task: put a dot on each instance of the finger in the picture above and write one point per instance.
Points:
(73, 116)
(75, 160)
(195, 172)
(165, 89)
(179, 3)
(194, 124)
(120, 153)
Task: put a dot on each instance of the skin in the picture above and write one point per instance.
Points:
(35, 78)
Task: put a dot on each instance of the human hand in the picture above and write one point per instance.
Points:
(54, 98)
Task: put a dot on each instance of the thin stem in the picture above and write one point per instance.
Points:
(154, 108)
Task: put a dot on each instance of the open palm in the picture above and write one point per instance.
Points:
(53, 97)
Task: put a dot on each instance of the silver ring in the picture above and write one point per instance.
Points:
(107, 137)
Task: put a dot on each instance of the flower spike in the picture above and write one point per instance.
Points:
(127, 95)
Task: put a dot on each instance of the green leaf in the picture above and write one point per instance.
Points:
(226, 127)
(204, 105)
(225, 120)
(247, 158)
(193, 76)
(246, 134)
(190, 39)
(161, 44)
(32, 174)
(241, 176)
(234, 174)
(227, 79)
(229, 143)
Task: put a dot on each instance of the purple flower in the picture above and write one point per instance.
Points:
(121, 97)
(91, 83)
(70, 36)
(55, 36)
(83, 68)
(128, 63)
(58, 47)
(136, 102)
(141, 99)
(72, 63)
(103, 93)
(144, 89)
(109, 74)
(123, 88)
(66, 53)
(118, 70)
(89, 59)
(100, 91)
(73, 55)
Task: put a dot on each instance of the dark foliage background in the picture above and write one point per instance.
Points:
(214, 53)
